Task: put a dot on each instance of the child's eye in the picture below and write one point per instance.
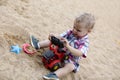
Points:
(79, 30)
(74, 27)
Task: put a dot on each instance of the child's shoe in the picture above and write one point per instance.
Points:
(34, 42)
(51, 76)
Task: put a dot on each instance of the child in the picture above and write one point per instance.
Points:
(75, 40)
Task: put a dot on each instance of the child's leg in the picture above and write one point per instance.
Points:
(37, 45)
(44, 43)
(69, 67)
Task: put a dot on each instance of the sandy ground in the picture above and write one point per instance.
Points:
(20, 18)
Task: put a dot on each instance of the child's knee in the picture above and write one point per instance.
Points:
(70, 66)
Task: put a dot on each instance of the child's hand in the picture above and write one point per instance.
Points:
(49, 37)
(65, 42)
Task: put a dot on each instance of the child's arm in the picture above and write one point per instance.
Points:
(74, 51)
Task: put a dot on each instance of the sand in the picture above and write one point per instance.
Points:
(21, 18)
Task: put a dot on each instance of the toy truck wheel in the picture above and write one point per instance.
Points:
(56, 66)
(66, 57)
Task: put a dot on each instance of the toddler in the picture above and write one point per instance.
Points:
(76, 42)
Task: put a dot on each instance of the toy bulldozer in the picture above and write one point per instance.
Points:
(55, 55)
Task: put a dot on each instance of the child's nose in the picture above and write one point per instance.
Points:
(75, 30)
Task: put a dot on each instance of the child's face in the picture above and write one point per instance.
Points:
(79, 31)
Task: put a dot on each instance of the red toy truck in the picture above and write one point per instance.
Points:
(55, 55)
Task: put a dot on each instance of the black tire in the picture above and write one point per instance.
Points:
(56, 66)
(66, 57)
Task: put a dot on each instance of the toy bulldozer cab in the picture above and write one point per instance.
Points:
(55, 55)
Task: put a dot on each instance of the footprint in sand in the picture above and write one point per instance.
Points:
(26, 1)
(23, 8)
(14, 39)
(3, 2)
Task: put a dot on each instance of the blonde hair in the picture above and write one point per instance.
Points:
(86, 20)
